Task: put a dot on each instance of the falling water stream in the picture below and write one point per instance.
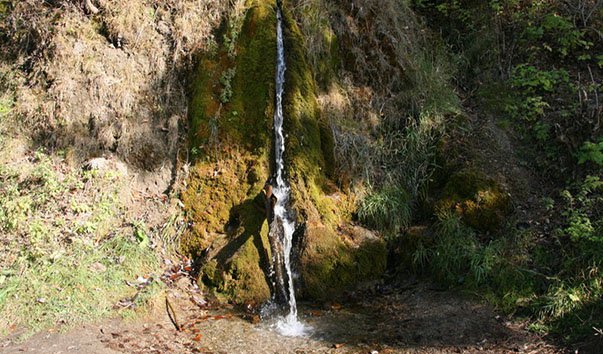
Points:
(289, 324)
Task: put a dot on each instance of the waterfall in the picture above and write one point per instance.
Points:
(282, 224)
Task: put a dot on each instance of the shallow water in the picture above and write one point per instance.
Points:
(415, 319)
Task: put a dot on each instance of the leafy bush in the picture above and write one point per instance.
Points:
(530, 79)
(592, 152)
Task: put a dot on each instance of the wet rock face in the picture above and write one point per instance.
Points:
(231, 140)
(225, 200)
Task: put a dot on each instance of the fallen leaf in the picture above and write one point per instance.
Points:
(197, 338)
(98, 267)
(252, 318)
(315, 313)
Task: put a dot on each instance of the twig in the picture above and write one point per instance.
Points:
(90, 7)
(172, 314)
(597, 113)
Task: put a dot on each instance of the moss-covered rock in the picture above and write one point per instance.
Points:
(231, 135)
(479, 200)
(335, 262)
(335, 256)
(231, 140)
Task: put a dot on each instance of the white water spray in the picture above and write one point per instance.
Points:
(289, 325)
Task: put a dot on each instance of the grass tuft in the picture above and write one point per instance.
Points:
(387, 210)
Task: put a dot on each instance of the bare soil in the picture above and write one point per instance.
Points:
(415, 318)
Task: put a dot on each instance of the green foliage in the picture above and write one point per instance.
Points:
(559, 285)
(409, 155)
(80, 283)
(226, 81)
(540, 70)
(456, 256)
(530, 79)
(591, 152)
(451, 256)
(577, 294)
(583, 214)
(541, 131)
(387, 210)
(556, 33)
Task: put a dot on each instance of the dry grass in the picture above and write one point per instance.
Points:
(389, 97)
(92, 111)
(112, 83)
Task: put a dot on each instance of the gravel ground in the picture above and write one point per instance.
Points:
(412, 319)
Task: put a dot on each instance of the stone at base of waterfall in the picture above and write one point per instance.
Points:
(334, 262)
(280, 277)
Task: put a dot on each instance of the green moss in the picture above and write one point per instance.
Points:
(478, 200)
(303, 121)
(234, 141)
(250, 285)
(232, 138)
(213, 193)
(331, 265)
(210, 273)
(329, 64)
(245, 120)
(309, 147)
(253, 86)
(331, 262)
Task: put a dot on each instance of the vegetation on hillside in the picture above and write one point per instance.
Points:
(92, 104)
(535, 69)
(465, 134)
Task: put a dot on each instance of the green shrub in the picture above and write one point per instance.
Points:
(592, 152)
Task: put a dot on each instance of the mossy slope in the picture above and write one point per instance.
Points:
(233, 140)
(332, 259)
